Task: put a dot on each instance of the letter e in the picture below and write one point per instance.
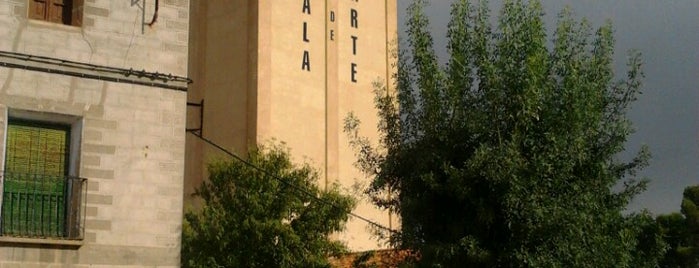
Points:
(354, 72)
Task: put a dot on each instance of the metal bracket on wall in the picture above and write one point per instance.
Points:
(200, 129)
(141, 4)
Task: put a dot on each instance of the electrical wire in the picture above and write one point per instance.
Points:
(155, 14)
(81, 69)
(299, 189)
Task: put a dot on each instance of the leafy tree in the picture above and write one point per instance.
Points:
(690, 210)
(681, 232)
(506, 156)
(251, 219)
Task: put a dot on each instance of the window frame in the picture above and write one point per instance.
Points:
(74, 229)
(76, 126)
(71, 11)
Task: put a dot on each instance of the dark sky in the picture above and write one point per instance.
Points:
(666, 115)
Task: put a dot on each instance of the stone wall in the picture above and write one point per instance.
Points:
(132, 136)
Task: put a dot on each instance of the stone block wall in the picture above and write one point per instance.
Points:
(131, 136)
(110, 35)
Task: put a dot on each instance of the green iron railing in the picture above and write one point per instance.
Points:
(42, 206)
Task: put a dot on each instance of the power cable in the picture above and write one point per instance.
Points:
(91, 71)
(304, 191)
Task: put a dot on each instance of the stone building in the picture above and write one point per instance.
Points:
(93, 100)
(92, 132)
(290, 70)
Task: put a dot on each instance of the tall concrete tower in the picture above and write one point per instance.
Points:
(290, 70)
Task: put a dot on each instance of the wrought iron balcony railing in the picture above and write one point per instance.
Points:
(42, 206)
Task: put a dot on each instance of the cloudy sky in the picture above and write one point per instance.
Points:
(666, 115)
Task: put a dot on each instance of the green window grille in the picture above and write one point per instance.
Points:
(36, 185)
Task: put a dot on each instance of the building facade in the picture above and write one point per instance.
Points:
(92, 132)
(290, 71)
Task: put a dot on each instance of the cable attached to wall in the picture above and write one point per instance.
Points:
(295, 187)
(199, 105)
(92, 71)
(155, 14)
(141, 4)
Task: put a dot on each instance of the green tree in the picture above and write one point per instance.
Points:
(690, 210)
(681, 232)
(506, 156)
(274, 216)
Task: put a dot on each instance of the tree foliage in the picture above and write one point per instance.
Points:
(681, 232)
(251, 219)
(506, 156)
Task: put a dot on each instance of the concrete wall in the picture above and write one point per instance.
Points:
(222, 65)
(306, 108)
(132, 144)
(256, 86)
(376, 36)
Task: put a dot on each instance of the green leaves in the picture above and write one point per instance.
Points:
(268, 213)
(506, 156)
(681, 232)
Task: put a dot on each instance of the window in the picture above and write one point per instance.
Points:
(41, 197)
(68, 12)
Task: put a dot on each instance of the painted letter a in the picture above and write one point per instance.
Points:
(307, 7)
